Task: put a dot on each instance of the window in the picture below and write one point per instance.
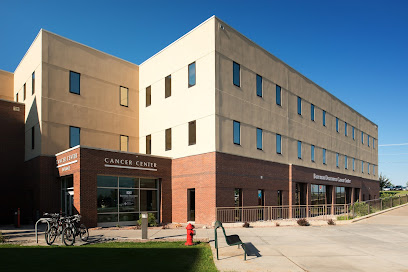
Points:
(167, 87)
(24, 92)
(362, 137)
(354, 164)
(337, 124)
(259, 85)
(16, 97)
(345, 129)
(324, 118)
(278, 144)
(259, 139)
(168, 139)
(191, 74)
(124, 143)
(299, 105)
(362, 167)
(237, 133)
(368, 167)
(324, 156)
(345, 162)
(192, 133)
(149, 144)
(299, 149)
(32, 138)
(236, 74)
(124, 94)
(353, 134)
(312, 112)
(312, 151)
(148, 96)
(368, 140)
(33, 83)
(238, 197)
(337, 160)
(373, 143)
(74, 136)
(261, 198)
(74, 82)
(278, 95)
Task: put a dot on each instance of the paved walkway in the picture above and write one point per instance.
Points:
(378, 243)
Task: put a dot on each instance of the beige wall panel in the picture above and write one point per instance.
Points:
(7, 85)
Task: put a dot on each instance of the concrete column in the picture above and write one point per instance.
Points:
(308, 198)
(290, 191)
(353, 191)
(333, 195)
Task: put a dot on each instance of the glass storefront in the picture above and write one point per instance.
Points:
(120, 200)
(318, 194)
(340, 195)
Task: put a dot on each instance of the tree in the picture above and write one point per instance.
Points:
(384, 182)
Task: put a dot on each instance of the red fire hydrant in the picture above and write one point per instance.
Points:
(190, 233)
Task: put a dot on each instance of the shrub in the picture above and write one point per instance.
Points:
(277, 224)
(245, 225)
(344, 217)
(303, 222)
(151, 220)
(360, 209)
(2, 238)
(331, 222)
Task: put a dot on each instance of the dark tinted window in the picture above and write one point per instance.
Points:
(149, 144)
(192, 74)
(192, 133)
(278, 95)
(299, 105)
(237, 132)
(236, 74)
(168, 139)
(259, 85)
(312, 112)
(74, 82)
(299, 149)
(167, 87)
(74, 136)
(278, 144)
(259, 138)
(148, 96)
(324, 118)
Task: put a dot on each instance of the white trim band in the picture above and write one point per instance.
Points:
(129, 167)
(68, 163)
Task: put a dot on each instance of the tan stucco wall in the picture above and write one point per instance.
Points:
(97, 110)
(185, 104)
(6, 85)
(243, 105)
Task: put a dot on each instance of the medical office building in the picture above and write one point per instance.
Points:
(212, 120)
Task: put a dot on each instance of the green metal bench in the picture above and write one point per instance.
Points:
(232, 240)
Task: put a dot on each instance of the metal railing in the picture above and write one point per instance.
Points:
(312, 212)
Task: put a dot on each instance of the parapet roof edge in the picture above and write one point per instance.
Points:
(4, 71)
(178, 39)
(36, 37)
(292, 69)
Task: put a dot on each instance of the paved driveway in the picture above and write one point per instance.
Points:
(379, 243)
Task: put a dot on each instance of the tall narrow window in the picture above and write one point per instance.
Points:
(299, 149)
(237, 74)
(345, 162)
(192, 133)
(368, 140)
(299, 105)
(238, 197)
(261, 201)
(362, 137)
(124, 143)
(74, 82)
(278, 144)
(74, 136)
(32, 138)
(337, 160)
(368, 167)
(362, 167)
(324, 118)
(24, 92)
(167, 87)
(324, 156)
(312, 151)
(33, 83)
(345, 129)
(259, 139)
(354, 168)
(124, 96)
(337, 124)
(354, 137)
(312, 112)
(168, 139)
(191, 74)
(148, 96)
(259, 85)
(149, 144)
(373, 143)
(16, 97)
(278, 95)
(237, 132)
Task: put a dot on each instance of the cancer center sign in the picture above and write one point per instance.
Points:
(336, 179)
(130, 164)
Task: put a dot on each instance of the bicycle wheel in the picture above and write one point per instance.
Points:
(83, 232)
(50, 235)
(68, 236)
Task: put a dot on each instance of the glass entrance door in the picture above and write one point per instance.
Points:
(191, 204)
(67, 195)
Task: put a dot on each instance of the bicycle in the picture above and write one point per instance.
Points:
(56, 226)
(73, 229)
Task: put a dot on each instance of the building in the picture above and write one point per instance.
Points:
(212, 120)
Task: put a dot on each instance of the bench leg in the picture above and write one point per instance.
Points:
(245, 255)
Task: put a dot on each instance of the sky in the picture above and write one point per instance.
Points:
(356, 50)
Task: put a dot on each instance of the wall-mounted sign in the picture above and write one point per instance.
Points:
(130, 164)
(336, 179)
(67, 160)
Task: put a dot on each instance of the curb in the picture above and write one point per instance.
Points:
(377, 213)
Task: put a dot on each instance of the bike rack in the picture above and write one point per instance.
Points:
(41, 220)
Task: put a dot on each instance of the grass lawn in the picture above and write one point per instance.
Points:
(393, 193)
(151, 256)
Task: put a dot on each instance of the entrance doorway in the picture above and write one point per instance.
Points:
(67, 195)
(191, 205)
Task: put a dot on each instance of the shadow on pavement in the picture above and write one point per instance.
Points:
(252, 250)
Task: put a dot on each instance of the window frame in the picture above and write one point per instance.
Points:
(167, 86)
(259, 139)
(239, 132)
(189, 74)
(167, 135)
(190, 135)
(79, 83)
(278, 136)
(127, 96)
(259, 88)
(238, 66)
(70, 136)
